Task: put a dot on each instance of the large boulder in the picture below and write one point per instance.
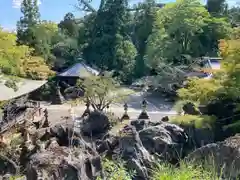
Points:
(107, 145)
(224, 156)
(62, 133)
(95, 124)
(134, 153)
(58, 162)
(141, 124)
(165, 139)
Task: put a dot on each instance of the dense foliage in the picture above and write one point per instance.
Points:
(225, 82)
(133, 41)
(17, 60)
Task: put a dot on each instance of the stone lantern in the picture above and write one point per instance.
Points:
(144, 114)
(125, 115)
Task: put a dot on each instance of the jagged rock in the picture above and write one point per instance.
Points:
(56, 163)
(108, 145)
(140, 124)
(96, 123)
(224, 156)
(134, 153)
(165, 139)
(62, 133)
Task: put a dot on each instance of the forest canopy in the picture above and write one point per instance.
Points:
(131, 40)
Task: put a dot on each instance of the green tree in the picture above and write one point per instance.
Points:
(11, 55)
(234, 16)
(144, 18)
(225, 82)
(30, 18)
(175, 31)
(46, 35)
(110, 46)
(16, 60)
(184, 30)
(39, 35)
(217, 7)
(66, 51)
(69, 25)
(101, 91)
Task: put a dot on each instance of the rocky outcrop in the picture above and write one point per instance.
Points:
(224, 156)
(95, 124)
(138, 147)
(59, 162)
(167, 140)
(134, 153)
(140, 124)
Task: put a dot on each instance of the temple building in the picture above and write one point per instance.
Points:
(68, 78)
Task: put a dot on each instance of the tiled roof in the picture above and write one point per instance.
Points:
(24, 86)
(79, 70)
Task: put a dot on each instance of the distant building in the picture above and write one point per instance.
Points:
(68, 78)
(79, 70)
(209, 65)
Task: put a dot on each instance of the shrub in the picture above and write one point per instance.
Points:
(178, 106)
(200, 121)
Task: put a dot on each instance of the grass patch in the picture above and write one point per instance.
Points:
(198, 121)
(115, 170)
(186, 171)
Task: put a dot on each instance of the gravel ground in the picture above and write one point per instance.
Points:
(156, 108)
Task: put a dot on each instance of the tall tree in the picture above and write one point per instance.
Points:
(110, 46)
(234, 15)
(143, 24)
(69, 25)
(46, 36)
(27, 23)
(217, 7)
(183, 30)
